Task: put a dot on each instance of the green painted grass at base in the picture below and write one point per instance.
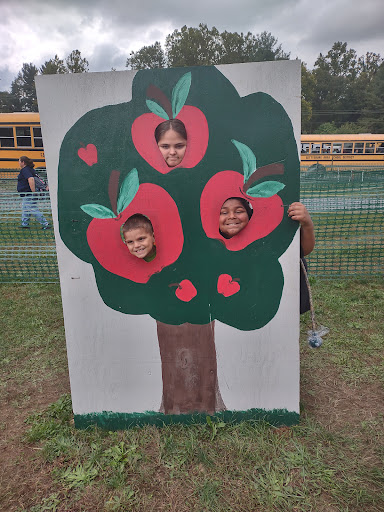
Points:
(119, 420)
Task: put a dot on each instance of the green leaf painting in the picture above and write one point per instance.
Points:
(128, 190)
(248, 158)
(265, 189)
(180, 93)
(97, 211)
(156, 109)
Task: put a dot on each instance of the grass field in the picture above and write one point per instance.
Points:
(331, 462)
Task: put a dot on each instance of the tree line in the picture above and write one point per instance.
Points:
(343, 93)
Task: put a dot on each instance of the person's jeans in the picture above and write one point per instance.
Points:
(29, 207)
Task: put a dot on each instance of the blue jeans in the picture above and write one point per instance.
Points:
(29, 208)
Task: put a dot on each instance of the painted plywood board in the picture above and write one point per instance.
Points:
(111, 314)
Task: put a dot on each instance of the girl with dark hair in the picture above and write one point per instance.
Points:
(26, 185)
(171, 139)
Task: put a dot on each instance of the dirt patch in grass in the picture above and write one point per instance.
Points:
(22, 472)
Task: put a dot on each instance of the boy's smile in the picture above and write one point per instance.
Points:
(140, 242)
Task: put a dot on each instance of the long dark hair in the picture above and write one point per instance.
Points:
(27, 161)
(171, 124)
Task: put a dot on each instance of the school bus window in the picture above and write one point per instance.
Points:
(379, 147)
(359, 147)
(369, 147)
(37, 137)
(305, 147)
(326, 148)
(6, 138)
(348, 147)
(336, 147)
(315, 148)
(23, 134)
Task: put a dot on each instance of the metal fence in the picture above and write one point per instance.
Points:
(347, 208)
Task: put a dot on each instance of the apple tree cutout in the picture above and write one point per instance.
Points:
(201, 277)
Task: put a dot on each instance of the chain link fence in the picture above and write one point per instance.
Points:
(347, 208)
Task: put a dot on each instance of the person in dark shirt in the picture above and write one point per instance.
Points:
(26, 187)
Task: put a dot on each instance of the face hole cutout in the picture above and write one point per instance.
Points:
(139, 238)
(171, 139)
(235, 214)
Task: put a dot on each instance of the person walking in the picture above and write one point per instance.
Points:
(26, 187)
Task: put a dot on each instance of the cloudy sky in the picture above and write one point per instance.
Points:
(107, 31)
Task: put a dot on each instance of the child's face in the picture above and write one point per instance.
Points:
(172, 146)
(233, 218)
(140, 242)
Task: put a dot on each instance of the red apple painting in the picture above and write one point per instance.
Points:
(143, 128)
(227, 286)
(105, 229)
(111, 168)
(267, 206)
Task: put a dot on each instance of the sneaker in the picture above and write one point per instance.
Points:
(46, 227)
(24, 227)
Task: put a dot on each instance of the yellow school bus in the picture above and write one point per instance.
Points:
(338, 151)
(20, 134)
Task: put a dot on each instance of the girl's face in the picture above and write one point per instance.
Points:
(172, 146)
(21, 164)
(233, 218)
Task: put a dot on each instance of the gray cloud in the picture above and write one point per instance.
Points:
(106, 32)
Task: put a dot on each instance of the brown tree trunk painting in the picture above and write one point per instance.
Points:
(189, 369)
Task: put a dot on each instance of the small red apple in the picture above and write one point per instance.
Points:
(185, 290)
(227, 286)
(88, 154)
(268, 211)
(104, 231)
(143, 128)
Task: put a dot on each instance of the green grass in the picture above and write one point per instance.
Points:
(331, 461)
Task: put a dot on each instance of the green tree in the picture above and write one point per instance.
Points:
(193, 46)
(6, 102)
(308, 88)
(23, 89)
(75, 63)
(373, 114)
(148, 57)
(53, 67)
(202, 46)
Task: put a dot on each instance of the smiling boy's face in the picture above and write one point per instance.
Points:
(233, 218)
(140, 242)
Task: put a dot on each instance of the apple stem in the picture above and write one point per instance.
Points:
(113, 189)
(177, 285)
(157, 94)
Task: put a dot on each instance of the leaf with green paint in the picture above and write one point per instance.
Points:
(128, 190)
(156, 109)
(248, 158)
(97, 211)
(180, 93)
(265, 189)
